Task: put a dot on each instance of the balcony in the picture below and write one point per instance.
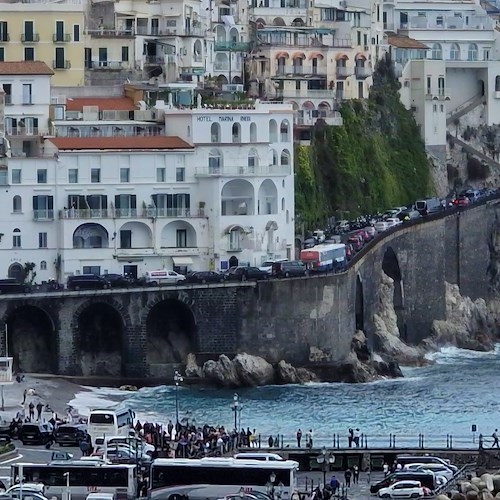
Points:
(305, 94)
(362, 72)
(44, 214)
(61, 38)
(232, 46)
(111, 33)
(332, 118)
(243, 171)
(31, 38)
(122, 213)
(5, 37)
(154, 60)
(85, 213)
(178, 251)
(343, 72)
(107, 65)
(287, 71)
(23, 131)
(61, 64)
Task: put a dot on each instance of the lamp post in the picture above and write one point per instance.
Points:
(68, 490)
(325, 460)
(237, 410)
(177, 380)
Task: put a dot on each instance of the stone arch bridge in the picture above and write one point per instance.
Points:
(147, 333)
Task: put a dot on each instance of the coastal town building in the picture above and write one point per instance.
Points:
(42, 30)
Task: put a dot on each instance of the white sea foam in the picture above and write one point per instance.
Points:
(452, 354)
(97, 397)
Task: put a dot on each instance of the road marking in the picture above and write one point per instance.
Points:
(10, 460)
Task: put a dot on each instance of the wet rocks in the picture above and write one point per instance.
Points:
(253, 370)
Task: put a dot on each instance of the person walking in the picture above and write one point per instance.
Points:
(350, 437)
(39, 408)
(299, 438)
(334, 484)
(355, 474)
(347, 477)
(356, 436)
(310, 444)
(386, 469)
(31, 413)
(495, 439)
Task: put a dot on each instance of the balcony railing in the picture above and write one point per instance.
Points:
(22, 131)
(44, 214)
(8, 99)
(104, 65)
(232, 171)
(34, 37)
(109, 213)
(343, 72)
(111, 32)
(306, 94)
(232, 46)
(4, 37)
(61, 38)
(61, 64)
(362, 72)
(154, 60)
(299, 70)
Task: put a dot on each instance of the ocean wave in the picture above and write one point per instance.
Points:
(452, 354)
(97, 397)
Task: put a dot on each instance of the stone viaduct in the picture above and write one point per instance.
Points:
(147, 332)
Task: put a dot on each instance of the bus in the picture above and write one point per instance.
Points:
(321, 258)
(110, 422)
(82, 477)
(208, 478)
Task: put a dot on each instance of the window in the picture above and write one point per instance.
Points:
(43, 265)
(4, 33)
(73, 176)
(125, 238)
(473, 52)
(4, 176)
(252, 160)
(16, 176)
(455, 52)
(214, 162)
(253, 132)
(76, 32)
(2, 54)
(59, 62)
(125, 54)
(92, 270)
(234, 240)
(180, 174)
(16, 238)
(17, 204)
(95, 175)
(284, 128)
(42, 240)
(59, 36)
(43, 207)
(126, 205)
(29, 54)
(181, 238)
(27, 95)
(125, 174)
(160, 174)
(215, 132)
(28, 31)
(236, 132)
(41, 175)
(437, 52)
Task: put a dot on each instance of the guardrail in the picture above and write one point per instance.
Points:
(452, 483)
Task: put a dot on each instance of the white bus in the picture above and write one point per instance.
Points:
(212, 478)
(83, 477)
(110, 422)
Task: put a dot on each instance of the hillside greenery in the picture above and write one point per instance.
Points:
(375, 161)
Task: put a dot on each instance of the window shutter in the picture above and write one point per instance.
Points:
(117, 201)
(104, 201)
(133, 201)
(155, 200)
(50, 202)
(35, 202)
(188, 200)
(169, 201)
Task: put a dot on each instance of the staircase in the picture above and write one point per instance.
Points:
(464, 108)
(473, 151)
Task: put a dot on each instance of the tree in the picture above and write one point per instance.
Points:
(29, 272)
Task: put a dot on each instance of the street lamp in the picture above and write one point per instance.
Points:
(237, 410)
(68, 490)
(325, 460)
(177, 380)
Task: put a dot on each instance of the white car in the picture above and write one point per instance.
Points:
(163, 276)
(403, 489)
(267, 266)
(438, 470)
(393, 221)
(381, 226)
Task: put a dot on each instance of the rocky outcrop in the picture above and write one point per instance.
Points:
(221, 372)
(253, 370)
(288, 374)
(485, 487)
(192, 368)
(469, 324)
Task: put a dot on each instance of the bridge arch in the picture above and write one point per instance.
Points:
(171, 334)
(99, 328)
(390, 266)
(32, 339)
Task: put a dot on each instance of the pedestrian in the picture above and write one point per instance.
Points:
(334, 484)
(24, 396)
(356, 436)
(350, 436)
(347, 477)
(31, 408)
(270, 441)
(355, 474)
(386, 469)
(495, 439)
(84, 447)
(310, 438)
(39, 408)
(299, 437)
(368, 475)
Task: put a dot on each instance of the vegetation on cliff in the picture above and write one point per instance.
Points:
(374, 161)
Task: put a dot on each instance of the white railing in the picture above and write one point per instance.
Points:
(245, 170)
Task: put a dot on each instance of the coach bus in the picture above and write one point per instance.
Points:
(327, 257)
(110, 422)
(211, 478)
(81, 477)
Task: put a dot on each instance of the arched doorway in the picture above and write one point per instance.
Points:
(360, 305)
(99, 340)
(390, 266)
(171, 335)
(31, 340)
(16, 271)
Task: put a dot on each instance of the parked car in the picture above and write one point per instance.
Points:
(204, 277)
(267, 266)
(87, 282)
(393, 221)
(163, 277)
(407, 215)
(403, 489)
(356, 241)
(118, 280)
(428, 459)
(381, 226)
(12, 285)
(70, 434)
(131, 442)
(36, 433)
(244, 273)
(425, 478)
(437, 469)
(289, 268)
(473, 194)
(371, 231)
(463, 201)
(123, 455)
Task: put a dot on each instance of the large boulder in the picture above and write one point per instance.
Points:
(192, 368)
(487, 495)
(221, 372)
(488, 480)
(359, 346)
(286, 373)
(472, 495)
(253, 370)
(496, 483)
(457, 496)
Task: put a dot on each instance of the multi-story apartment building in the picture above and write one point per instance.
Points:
(46, 31)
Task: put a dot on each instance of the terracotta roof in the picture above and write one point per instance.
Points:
(24, 68)
(125, 143)
(405, 42)
(103, 103)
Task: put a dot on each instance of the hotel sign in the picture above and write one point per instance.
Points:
(224, 118)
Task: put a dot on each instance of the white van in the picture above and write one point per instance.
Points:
(163, 277)
(263, 457)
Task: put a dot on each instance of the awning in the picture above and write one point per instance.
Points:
(183, 261)
(299, 55)
(360, 56)
(279, 55)
(341, 56)
(316, 55)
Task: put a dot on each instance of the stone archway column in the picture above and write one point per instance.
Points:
(67, 359)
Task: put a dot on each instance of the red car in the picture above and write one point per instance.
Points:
(462, 201)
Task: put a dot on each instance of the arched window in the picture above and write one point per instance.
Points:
(472, 52)
(253, 132)
(43, 265)
(16, 238)
(236, 132)
(273, 131)
(285, 131)
(282, 203)
(215, 132)
(17, 204)
(253, 160)
(455, 52)
(437, 51)
(285, 157)
(215, 162)
(497, 83)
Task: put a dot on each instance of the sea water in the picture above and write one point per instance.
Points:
(441, 402)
